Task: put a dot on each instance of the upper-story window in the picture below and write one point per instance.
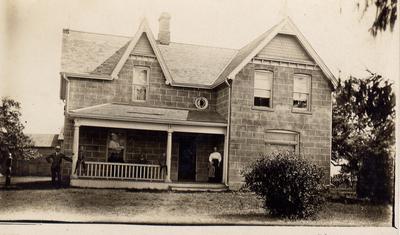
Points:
(263, 88)
(140, 83)
(301, 92)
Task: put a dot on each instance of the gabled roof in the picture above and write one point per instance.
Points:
(125, 112)
(99, 56)
(249, 51)
(143, 29)
(194, 64)
(83, 52)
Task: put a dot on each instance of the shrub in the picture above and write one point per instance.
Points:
(341, 180)
(289, 185)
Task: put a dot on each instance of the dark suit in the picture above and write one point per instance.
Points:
(56, 160)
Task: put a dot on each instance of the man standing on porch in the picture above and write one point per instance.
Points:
(214, 166)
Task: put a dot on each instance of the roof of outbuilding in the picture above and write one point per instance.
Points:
(44, 140)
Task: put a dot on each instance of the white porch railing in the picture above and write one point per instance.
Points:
(111, 170)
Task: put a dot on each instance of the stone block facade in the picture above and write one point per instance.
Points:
(150, 147)
(89, 92)
(249, 124)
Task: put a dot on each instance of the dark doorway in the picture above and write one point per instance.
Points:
(187, 159)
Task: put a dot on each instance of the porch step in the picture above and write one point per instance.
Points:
(198, 187)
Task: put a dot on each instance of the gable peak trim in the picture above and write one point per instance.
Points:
(293, 30)
(143, 28)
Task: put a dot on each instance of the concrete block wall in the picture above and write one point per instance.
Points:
(150, 144)
(89, 92)
(222, 100)
(249, 125)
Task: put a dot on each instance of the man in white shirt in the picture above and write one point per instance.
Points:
(214, 166)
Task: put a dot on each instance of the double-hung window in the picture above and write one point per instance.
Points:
(301, 92)
(263, 81)
(140, 83)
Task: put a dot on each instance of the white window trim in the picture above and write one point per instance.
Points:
(135, 69)
(308, 108)
(271, 91)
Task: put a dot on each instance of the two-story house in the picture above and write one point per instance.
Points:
(149, 112)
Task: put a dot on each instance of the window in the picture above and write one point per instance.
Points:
(282, 140)
(140, 84)
(301, 91)
(263, 88)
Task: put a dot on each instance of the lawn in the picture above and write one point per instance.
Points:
(44, 203)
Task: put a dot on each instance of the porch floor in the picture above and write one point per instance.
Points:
(135, 184)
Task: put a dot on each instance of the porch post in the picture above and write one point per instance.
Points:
(75, 149)
(225, 161)
(169, 155)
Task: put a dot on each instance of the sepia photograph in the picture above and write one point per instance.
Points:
(203, 116)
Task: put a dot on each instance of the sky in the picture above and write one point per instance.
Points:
(31, 33)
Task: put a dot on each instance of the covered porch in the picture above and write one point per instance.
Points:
(154, 153)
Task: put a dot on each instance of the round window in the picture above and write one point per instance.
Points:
(201, 103)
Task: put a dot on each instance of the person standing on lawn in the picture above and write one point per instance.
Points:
(81, 160)
(214, 166)
(6, 159)
(56, 160)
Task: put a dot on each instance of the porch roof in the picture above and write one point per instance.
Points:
(126, 112)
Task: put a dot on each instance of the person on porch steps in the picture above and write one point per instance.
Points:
(214, 167)
(81, 160)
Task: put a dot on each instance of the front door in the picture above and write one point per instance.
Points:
(187, 160)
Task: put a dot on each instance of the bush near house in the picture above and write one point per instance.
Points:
(289, 185)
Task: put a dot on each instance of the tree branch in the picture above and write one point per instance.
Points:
(337, 164)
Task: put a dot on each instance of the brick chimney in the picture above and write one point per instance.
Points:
(163, 33)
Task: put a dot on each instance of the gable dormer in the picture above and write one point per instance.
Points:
(143, 44)
(143, 47)
(285, 47)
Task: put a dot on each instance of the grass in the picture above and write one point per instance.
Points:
(43, 203)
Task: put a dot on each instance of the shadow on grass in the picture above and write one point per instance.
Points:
(39, 185)
(247, 217)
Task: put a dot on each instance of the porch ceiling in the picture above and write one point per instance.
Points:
(113, 111)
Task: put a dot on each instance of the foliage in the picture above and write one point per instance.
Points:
(363, 133)
(341, 180)
(289, 185)
(386, 14)
(12, 136)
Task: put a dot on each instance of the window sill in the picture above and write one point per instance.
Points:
(262, 108)
(138, 101)
(301, 111)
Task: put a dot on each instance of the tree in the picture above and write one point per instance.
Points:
(12, 136)
(363, 134)
(386, 14)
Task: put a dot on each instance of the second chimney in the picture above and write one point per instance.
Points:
(163, 33)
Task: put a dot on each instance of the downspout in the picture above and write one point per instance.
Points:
(228, 132)
(66, 92)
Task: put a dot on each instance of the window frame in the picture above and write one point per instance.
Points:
(295, 143)
(307, 109)
(138, 69)
(270, 107)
